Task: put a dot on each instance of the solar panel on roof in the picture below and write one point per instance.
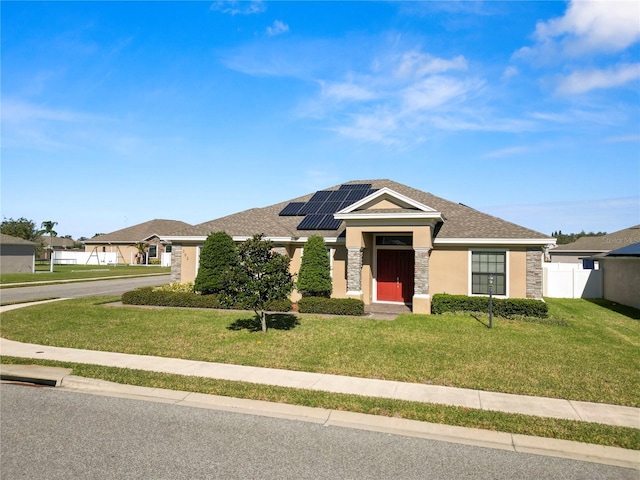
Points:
(319, 222)
(320, 196)
(329, 223)
(292, 209)
(355, 186)
(310, 208)
(311, 222)
(338, 195)
(329, 207)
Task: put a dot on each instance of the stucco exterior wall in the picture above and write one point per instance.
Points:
(188, 263)
(449, 271)
(17, 258)
(517, 266)
(621, 277)
(339, 270)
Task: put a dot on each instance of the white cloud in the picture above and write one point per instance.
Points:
(587, 26)
(342, 91)
(587, 80)
(416, 64)
(235, 7)
(277, 28)
(510, 72)
(509, 152)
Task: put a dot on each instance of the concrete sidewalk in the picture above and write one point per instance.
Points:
(461, 397)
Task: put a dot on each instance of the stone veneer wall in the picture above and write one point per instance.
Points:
(534, 273)
(354, 269)
(176, 263)
(421, 274)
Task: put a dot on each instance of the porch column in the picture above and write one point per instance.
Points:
(354, 272)
(421, 297)
(176, 263)
(534, 273)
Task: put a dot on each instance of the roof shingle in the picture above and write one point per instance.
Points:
(461, 221)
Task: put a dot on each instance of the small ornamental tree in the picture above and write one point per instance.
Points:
(314, 277)
(219, 265)
(266, 276)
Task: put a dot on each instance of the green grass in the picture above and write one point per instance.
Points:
(71, 272)
(584, 351)
(472, 418)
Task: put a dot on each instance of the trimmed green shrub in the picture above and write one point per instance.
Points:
(219, 264)
(314, 277)
(502, 307)
(278, 305)
(331, 306)
(154, 296)
(164, 298)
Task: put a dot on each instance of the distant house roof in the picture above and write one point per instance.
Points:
(59, 242)
(632, 250)
(140, 232)
(9, 240)
(602, 243)
(461, 222)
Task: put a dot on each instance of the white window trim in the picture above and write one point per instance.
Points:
(507, 276)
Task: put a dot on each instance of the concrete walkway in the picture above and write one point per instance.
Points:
(461, 397)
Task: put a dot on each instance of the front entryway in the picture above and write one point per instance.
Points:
(395, 275)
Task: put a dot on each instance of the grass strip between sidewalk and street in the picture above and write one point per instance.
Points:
(577, 431)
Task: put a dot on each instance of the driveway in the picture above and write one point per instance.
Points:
(80, 289)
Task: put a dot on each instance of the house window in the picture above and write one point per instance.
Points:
(394, 240)
(167, 249)
(484, 264)
(153, 251)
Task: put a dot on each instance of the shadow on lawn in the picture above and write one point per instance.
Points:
(277, 321)
(632, 313)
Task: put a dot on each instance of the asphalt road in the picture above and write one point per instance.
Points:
(80, 289)
(55, 434)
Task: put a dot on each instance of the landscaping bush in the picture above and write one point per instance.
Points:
(502, 307)
(278, 305)
(164, 298)
(171, 296)
(314, 277)
(331, 306)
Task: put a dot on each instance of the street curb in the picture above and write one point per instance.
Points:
(516, 443)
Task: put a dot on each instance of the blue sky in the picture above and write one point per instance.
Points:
(117, 113)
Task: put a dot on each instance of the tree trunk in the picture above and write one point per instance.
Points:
(263, 321)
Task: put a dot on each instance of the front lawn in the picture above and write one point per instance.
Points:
(71, 272)
(584, 351)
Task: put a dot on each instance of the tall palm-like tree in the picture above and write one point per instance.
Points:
(47, 228)
(142, 251)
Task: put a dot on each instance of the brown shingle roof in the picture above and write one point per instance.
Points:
(603, 243)
(461, 221)
(10, 240)
(140, 232)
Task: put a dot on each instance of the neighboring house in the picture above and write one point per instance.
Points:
(17, 255)
(388, 242)
(621, 275)
(584, 248)
(58, 243)
(122, 242)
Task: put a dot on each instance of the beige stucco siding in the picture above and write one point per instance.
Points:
(189, 261)
(517, 266)
(449, 271)
(339, 269)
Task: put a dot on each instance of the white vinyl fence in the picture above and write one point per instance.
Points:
(64, 257)
(570, 280)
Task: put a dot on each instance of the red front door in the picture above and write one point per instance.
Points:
(395, 275)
